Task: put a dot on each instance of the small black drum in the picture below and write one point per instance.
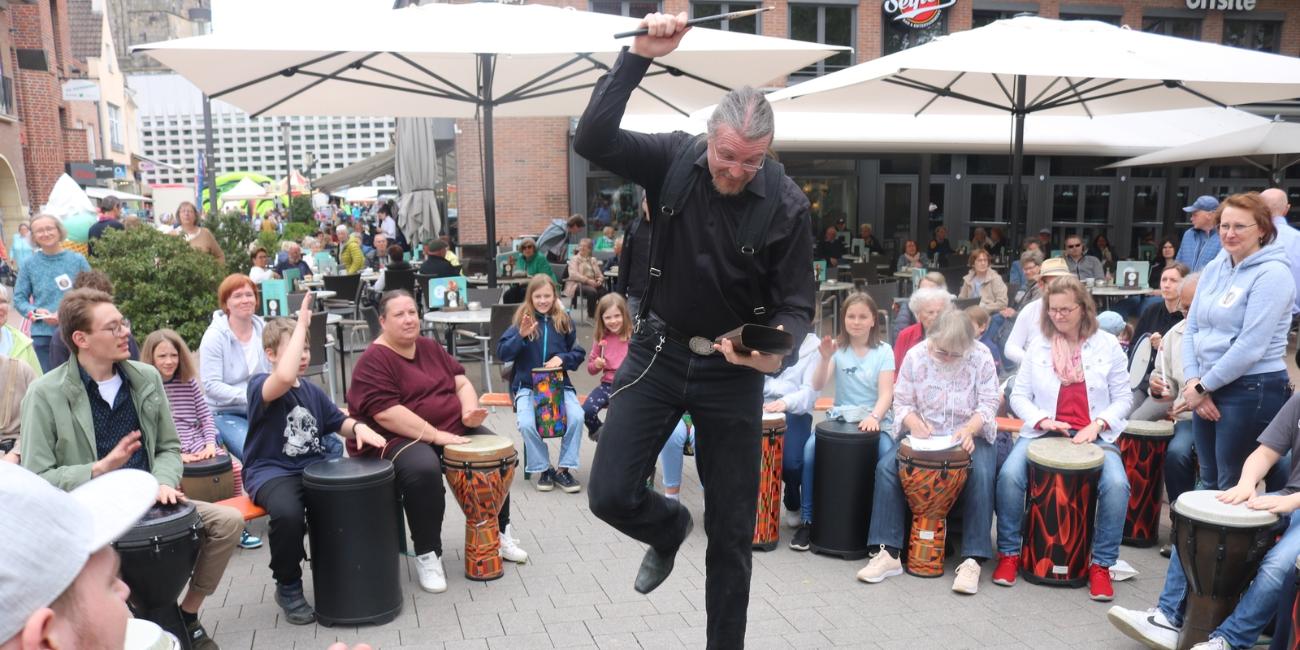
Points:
(844, 481)
(210, 479)
(352, 519)
(158, 556)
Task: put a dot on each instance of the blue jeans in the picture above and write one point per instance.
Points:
(41, 345)
(333, 444)
(798, 429)
(1242, 628)
(1180, 473)
(1246, 406)
(889, 504)
(537, 456)
(1112, 502)
(671, 456)
(991, 336)
(232, 431)
(884, 447)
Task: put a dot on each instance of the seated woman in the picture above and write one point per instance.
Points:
(984, 283)
(926, 304)
(414, 394)
(905, 317)
(543, 336)
(229, 354)
(586, 276)
(1072, 382)
(1155, 322)
(912, 258)
(948, 387)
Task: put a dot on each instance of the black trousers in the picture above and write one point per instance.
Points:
(725, 402)
(418, 467)
(282, 499)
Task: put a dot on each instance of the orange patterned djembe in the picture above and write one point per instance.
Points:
(932, 481)
(479, 473)
(767, 522)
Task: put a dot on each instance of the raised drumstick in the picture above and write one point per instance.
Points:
(702, 21)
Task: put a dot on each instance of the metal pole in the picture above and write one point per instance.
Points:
(210, 169)
(288, 171)
(1017, 159)
(489, 174)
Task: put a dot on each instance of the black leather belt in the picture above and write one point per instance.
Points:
(696, 344)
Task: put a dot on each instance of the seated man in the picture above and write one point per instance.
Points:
(1158, 627)
(99, 412)
(435, 263)
(71, 597)
(293, 261)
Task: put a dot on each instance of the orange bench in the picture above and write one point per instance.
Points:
(245, 506)
(1010, 425)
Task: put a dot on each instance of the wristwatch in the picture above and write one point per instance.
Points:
(1101, 424)
(1200, 388)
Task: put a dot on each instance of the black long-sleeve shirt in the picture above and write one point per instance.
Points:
(706, 284)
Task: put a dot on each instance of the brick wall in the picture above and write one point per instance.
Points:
(39, 97)
(532, 176)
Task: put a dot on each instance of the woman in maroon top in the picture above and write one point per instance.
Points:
(407, 388)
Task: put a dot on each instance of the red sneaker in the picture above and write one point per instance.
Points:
(1099, 583)
(1005, 573)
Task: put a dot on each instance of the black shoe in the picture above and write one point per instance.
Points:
(656, 565)
(802, 537)
(545, 482)
(199, 639)
(1167, 550)
(565, 480)
(296, 609)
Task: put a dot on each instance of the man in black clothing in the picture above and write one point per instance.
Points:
(709, 282)
(435, 263)
(831, 248)
(110, 215)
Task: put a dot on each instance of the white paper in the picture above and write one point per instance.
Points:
(933, 443)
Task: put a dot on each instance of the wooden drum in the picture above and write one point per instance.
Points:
(932, 481)
(767, 523)
(1143, 448)
(479, 473)
(1060, 508)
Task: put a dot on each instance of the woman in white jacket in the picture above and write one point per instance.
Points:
(1073, 382)
(791, 393)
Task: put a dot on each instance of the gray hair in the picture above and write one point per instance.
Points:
(746, 110)
(922, 297)
(1035, 256)
(1192, 278)
(952, 331)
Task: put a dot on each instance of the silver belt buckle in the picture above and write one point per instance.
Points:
(700, 345)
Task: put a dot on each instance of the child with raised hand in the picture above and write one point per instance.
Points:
(863, 366)
(166, 351)
(287, 419)
(544, 336)
(609, 348)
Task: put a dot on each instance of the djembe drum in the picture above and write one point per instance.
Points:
(548, 402)
(932, 481)
(210, 479)
(1061, 505)
(479, 473)
(157, 557)
(1220, 547)
(1143, 448)
(767, 522)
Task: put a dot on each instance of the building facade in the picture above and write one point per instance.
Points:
(14, 193)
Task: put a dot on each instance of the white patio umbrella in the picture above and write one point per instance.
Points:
(1272, 147)
(1039, 65)
(417, 174)
(465, 60)
(246, 189)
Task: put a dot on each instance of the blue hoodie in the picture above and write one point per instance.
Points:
(546, 343)
(222, 369)
(1239, 318)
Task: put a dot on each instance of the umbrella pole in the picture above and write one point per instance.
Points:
(489, 174)
(1017, 159)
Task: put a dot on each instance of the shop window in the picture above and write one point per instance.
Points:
(747, 25)
(1189, 28)
(827, 24)
(1261, 35)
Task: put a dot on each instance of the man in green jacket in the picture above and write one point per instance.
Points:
(99, 412)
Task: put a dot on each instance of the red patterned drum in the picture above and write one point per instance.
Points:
(1143, 448)
(479, 473)
(767, 522)
(932, 481)
(548, 402)
(1060, 506)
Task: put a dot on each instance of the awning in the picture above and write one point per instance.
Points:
(364, 171)
(101, 192)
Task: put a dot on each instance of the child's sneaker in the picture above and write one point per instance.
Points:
(248, 540)
(545, 481)
(565, 480)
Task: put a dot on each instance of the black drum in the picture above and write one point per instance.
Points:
(158, 556)
(210, 480)
(352, 519)
(844, 481)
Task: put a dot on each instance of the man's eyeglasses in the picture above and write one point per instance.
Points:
(748, 166)
(119, 328)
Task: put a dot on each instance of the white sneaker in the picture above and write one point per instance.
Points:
(793, 518)
(510, 546)
(1149, 627)
(1215, 643)
(433, 578)
(880, 567)
(968, 577)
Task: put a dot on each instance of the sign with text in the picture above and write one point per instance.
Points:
(80, 90)
(1222, 5)
(103, 167)
(919, 14)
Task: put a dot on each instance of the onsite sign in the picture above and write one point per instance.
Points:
(919, 14)
(1222, 5)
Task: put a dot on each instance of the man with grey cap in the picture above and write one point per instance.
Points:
(71, 597)
(1201, 241)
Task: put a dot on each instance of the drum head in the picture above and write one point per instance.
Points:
(951, 455)
(162, 521)
(1138, 361)
(143, 634)
(1062, 453)
(1202, 506)
(480, 448)
(347, 471)
(1146, 429)
(544, 371)
(218, 464)
(774, 421)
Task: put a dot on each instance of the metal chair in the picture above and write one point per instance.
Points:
(320, 340)
(347, 294)
(395, 279)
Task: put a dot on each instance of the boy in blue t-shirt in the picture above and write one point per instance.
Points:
(287, 419)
